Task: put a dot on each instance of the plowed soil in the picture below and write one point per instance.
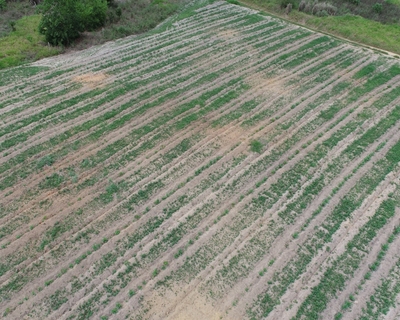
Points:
(227, 165)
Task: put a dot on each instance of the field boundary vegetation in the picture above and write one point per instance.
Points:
(359, 30)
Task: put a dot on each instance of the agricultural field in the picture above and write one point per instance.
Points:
(227, 165)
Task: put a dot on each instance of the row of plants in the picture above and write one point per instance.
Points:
(314, 243)
(247, 257)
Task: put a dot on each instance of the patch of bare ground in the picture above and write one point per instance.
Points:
(93, 80)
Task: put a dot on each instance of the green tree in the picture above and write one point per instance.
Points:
(93, 13)
(61, 22)
(64, 20)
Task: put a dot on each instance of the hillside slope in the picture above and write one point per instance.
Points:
(228, 166)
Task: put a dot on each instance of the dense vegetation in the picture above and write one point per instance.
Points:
(64, 20)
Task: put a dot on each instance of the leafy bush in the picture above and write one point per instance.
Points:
(256, 146)
(61, 22)
(52, 181)
(93, 13)
(338, 316)
(327, 7)
(377, 7)
(319, 9)
(64, 20)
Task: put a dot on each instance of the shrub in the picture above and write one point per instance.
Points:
(320, 9)
(377, 7)
(93, 13)
(346, 305)
(256, 146)
(61, 22)
(64, 20)
(324, 9)
(52, 181)
(338, 316)
(131, 293)
(155, 272)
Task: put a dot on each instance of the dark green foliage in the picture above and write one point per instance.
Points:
(131, 293)
(256, 146)
(338, 316)
(52, 181)
(367, 70)
(346, 305)
(116, 309)
(155, 272)
(394, 153)
(178, 254)
(383, 11)
(63, 21)
(377, 7)
(330, 112)
(93, 13)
